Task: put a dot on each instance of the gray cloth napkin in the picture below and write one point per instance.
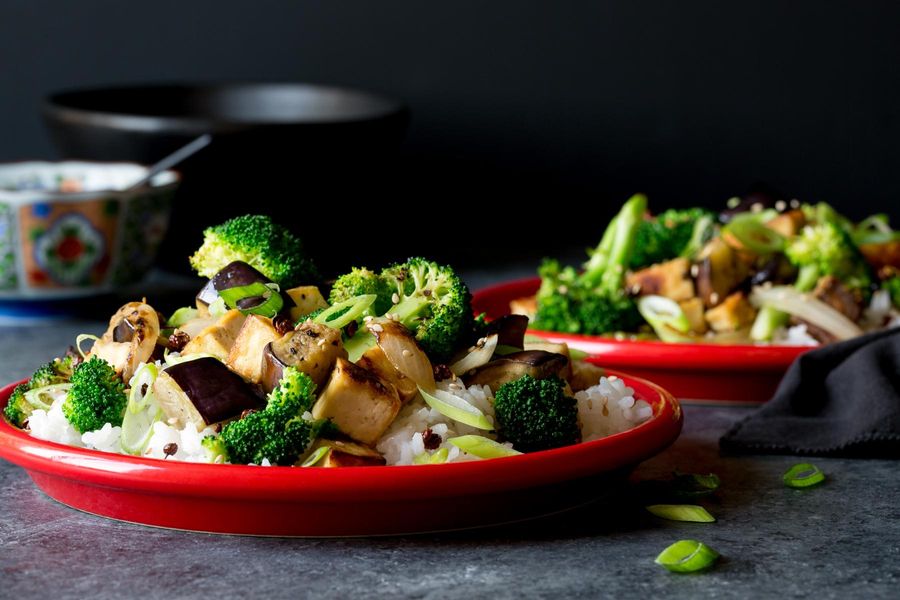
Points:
(838, 400)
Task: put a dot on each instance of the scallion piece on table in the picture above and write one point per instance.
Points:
(687, 556)
(803, 475)
(681, 512)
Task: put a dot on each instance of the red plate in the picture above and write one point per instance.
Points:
(740, 373)
(289, 501)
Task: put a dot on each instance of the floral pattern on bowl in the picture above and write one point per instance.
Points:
(73, 229)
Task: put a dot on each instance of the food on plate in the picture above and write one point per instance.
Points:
(391, 369)
(762, 271)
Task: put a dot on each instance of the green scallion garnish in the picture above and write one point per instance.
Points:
(687, 556)
(681, 512)
(803, 475)
(271, 301)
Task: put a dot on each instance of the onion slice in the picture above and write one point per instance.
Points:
(480, 354)
(401, 349)
(806, 307)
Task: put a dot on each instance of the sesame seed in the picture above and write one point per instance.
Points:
(406, 353)
(376, 328)
(367, 318)
(171, 420)
(795, 203)
(714, 298)
(733, 202)
(395, 298)
(563, 289)
(695, 270)
(756, 207)
(636, 289)
(780, 205)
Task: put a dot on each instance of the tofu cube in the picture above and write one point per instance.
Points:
(217, 339)
(245, 357)
(359, 402)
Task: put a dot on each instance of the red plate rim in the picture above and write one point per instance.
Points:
(494, 301)
(241, 482)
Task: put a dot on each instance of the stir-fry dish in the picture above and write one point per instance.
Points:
(391, 369)
(762, 271)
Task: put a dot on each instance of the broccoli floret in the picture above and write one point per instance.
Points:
(18, 409)
(434, 303)
(827, 249)
(360, 281)
(593, 302)
(669, 235)
(97, 396)
(55, 371)
(535, 414)
(278, 433)
(256, 240)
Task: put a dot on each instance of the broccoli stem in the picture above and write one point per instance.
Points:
(409, 309)
(596, 264)
(807, 278)
(606, 267)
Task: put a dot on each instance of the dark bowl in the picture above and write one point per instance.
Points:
(279, 148)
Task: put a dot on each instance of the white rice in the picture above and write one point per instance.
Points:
(604, 409)
(403, 441)
(609, 407)
(51, 425)
(797, 335)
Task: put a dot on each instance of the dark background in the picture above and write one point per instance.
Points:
(573, 104)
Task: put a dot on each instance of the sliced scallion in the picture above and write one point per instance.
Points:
(665, 316)
(269, 306)
(182, 316)
(35, 397)
(80, 338)
(340, 314)
(755, 236)
(457, 409)
(482, 447)
(687, 556)
(803, 475)
(681, 512)
(317, 455)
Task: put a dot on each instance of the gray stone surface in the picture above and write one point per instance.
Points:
(839, 540)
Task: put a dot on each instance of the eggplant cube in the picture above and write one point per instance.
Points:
(202, 391)
(311, 348)
(358, 402)
(217, 339)
(245, 357)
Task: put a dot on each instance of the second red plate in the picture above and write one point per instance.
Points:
(733, 373)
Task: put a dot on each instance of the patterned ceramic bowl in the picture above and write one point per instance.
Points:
(71, 229)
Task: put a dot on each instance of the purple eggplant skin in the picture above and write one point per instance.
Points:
(124, 331)
(510, 330)
(272, 368)
(216, 392)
